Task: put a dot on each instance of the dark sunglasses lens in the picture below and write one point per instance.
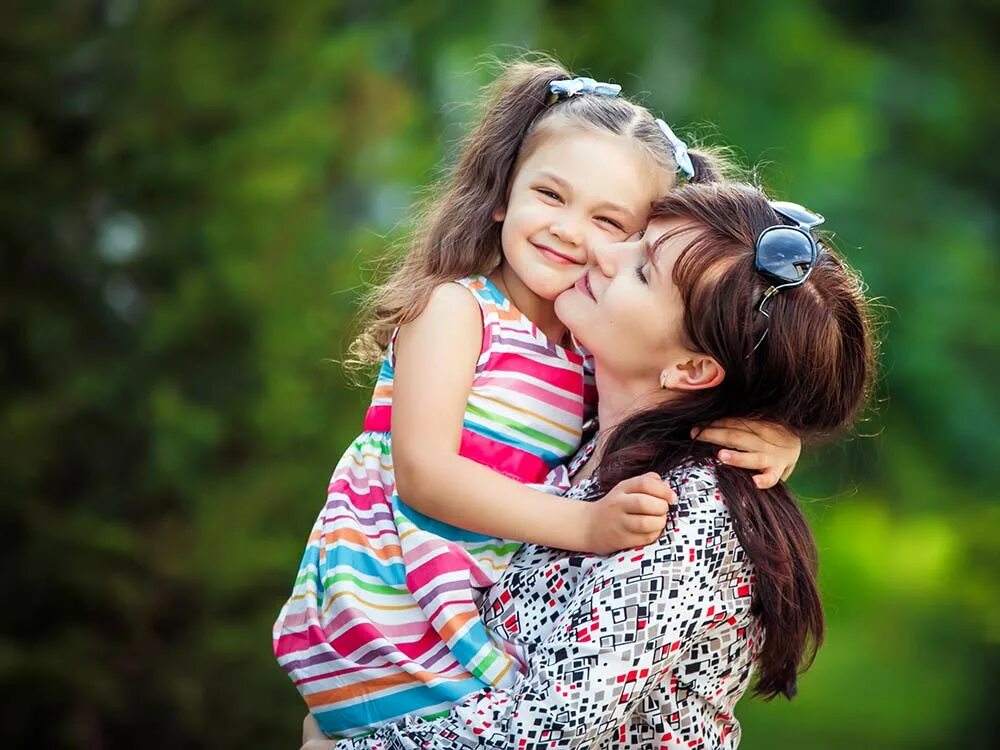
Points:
(784, 253)
(798, 214)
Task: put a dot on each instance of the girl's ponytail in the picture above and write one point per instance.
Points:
(709, 166)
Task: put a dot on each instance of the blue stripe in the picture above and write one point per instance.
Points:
(550, 458)
(471, 643)
(339, 554)
(385, 372)
(439, 528)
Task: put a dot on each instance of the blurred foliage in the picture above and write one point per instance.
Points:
(193, 195)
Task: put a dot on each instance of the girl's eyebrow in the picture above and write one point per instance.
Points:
(555, 178)
(608, 205)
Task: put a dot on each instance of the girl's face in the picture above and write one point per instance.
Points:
(627, 310)
(577, 190)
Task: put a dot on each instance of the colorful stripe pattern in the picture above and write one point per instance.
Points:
(382, 621)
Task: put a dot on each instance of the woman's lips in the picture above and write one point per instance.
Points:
(555, 257)
(583, 285)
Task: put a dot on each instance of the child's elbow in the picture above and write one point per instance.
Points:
(414, 476)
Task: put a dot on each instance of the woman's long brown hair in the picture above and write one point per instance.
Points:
(811, 374)
(455, 234)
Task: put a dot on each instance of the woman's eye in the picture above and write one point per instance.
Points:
(641, 273)
(549, 193)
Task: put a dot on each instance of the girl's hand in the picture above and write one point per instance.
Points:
(312, 737)
(631, 515)
(765, 446)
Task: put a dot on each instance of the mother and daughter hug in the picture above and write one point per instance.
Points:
(532, 543)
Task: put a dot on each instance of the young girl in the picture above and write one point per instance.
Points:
(479, 397)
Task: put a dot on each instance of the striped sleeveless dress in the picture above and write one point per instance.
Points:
(382, 621)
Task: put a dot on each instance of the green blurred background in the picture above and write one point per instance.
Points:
(194, 194)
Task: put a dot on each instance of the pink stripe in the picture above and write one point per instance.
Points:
(571, 406)
(290, 643)
(424, 646)
(378, 418)
(356, 637)
(444, 562)
(339, 496)
(505, 459)
(567, 378)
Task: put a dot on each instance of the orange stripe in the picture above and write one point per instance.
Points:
(455, 624)
(376, 685)
(353, 535)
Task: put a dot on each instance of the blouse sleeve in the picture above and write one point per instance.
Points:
(624, 629)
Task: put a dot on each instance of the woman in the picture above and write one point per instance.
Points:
(728, 306)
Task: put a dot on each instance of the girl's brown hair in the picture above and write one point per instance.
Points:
(811, 373)
(455, 233)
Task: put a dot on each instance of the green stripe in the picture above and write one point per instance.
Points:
(564, 447)
(307, 576)
(383, 446)
(480, 669)
(500, 549)
(432, 717)
(375, 588)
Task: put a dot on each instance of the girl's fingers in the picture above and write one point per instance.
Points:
(767, 479)
(728, 437)
(648, 505)
(768, 431)
(649, 483)
(731, 423)
(745, 460)
(644, 524)
(736, 423)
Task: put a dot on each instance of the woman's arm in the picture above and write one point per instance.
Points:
(436, 358)
(628, 622)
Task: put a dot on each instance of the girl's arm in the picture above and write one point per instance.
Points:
(628, 622)
(436, 357)
(770, 448)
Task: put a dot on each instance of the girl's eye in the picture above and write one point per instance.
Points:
(641, 273)
(611, 222)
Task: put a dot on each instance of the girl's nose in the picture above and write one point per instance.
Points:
(568, 230)
(603, 259)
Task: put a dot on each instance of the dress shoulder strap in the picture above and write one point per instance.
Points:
(489, 297)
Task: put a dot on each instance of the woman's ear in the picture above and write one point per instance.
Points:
(701, 371)
(500, 214)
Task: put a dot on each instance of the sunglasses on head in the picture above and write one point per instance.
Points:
(785, 254)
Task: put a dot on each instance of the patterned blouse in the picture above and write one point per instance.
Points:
(649, 648)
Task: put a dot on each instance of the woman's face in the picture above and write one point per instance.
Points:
(626, 309)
